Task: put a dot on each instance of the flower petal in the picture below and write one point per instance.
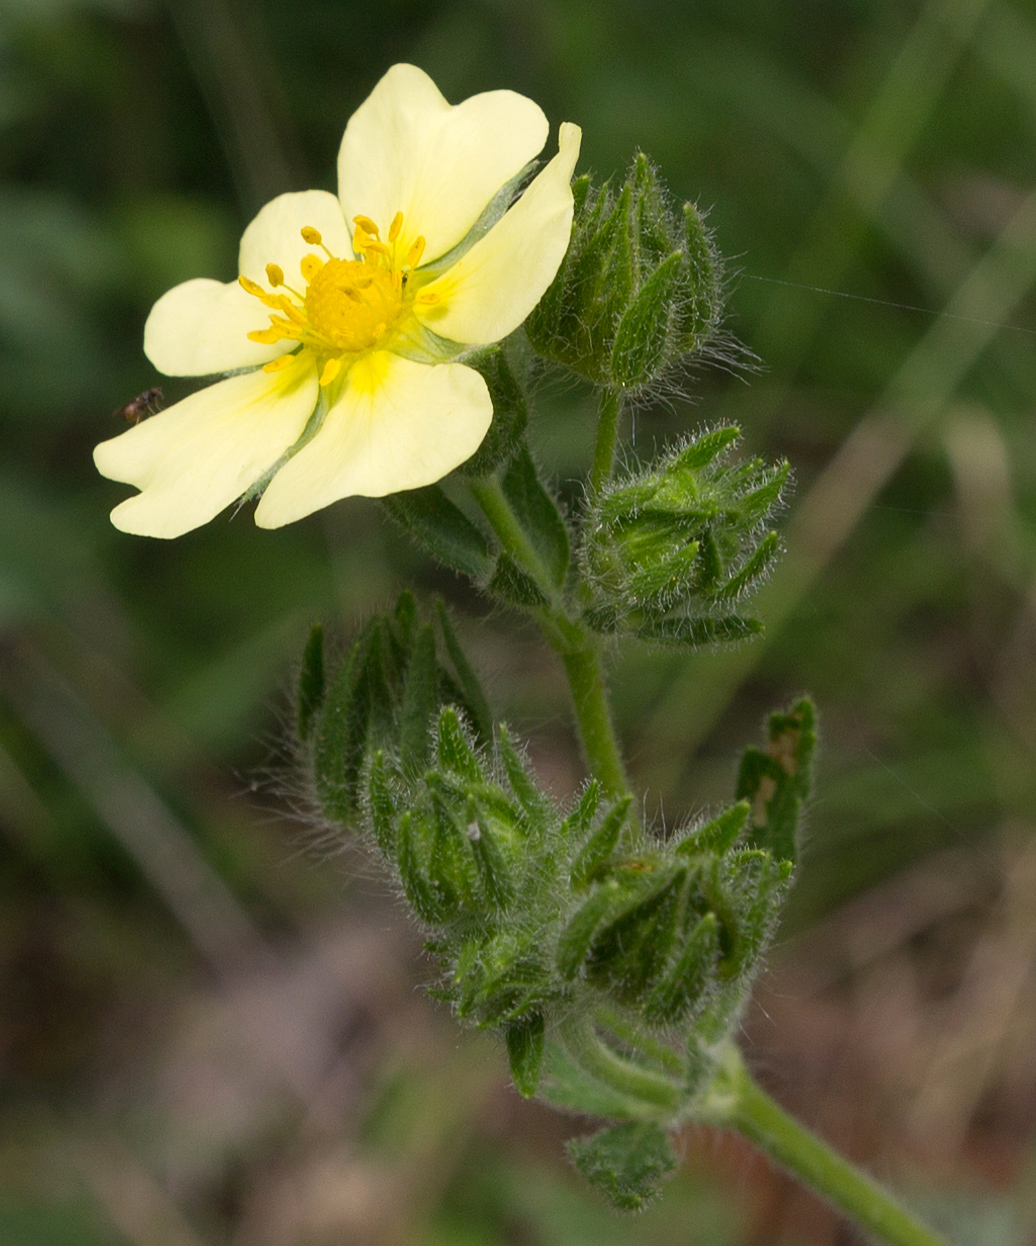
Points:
(196, 457)
(275, 235)
(398, 425)
(407, 150)
(494, 286)
(202, 326)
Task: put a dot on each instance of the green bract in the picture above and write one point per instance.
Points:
(614, 962)
(639, 290)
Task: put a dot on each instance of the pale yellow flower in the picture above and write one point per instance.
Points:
(344, 329)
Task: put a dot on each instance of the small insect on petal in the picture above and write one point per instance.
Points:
(146, 403)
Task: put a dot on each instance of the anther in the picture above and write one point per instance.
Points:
(429, 298)
(367, 225)
(252, 287)
(331, 370)
(311, 265)
(312, 236)
(413, 256)
(275, 274)
(278, 364)
(395, 227)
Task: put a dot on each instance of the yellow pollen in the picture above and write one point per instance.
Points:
(331, 370)
(311, 265)
(413, 256)
(347, 306)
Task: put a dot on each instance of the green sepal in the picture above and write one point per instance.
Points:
(381, 807)
(754, 569)
(504, 368)
(597, 850)
(579, 820)
(701, 311)
(535, 805)
(423, 896)
(684, 985)
(719, 834)
(311, 683)
(442, 529)
(778, 782)
(627, 1163)
(358, 711)
(489, 860)
(538, 514)
(455, 754)
(525, 1052)
(628, 952)
(698, 633)
(643, 340)
(475, 701)
(574, 940)
(420, 700)
(517, 588)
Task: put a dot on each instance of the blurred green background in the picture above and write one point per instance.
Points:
(210, 1030)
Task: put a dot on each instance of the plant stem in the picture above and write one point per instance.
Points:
(578, 649)
(607, 434)
(737, 1102)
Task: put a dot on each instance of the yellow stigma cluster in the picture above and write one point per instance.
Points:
(349, 306)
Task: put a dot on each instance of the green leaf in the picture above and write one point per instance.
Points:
(643, 339)
(511, 583)
(311, 682)
(626, 1162)
(442, 529)
(525, 1052)
(538, 514)
(601, 844)
(778, 782)
(420, 701)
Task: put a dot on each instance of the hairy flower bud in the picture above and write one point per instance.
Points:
(639, 290)
(670, 551)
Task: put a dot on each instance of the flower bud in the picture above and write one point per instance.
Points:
(669, 551)
(639, 290)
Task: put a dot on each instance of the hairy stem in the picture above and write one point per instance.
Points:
(737, 1102)
(578, 649)
(607, 434)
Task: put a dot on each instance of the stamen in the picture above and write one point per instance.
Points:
(278, 364)
(311, 265)
(275, 275)
(378, 248)
(331, 370)
(367, 225)
(395, 227)
(266, 336)
(312, 236)
(413, 256)
(429, 298)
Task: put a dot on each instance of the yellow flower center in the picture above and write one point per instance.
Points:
(348, 306)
